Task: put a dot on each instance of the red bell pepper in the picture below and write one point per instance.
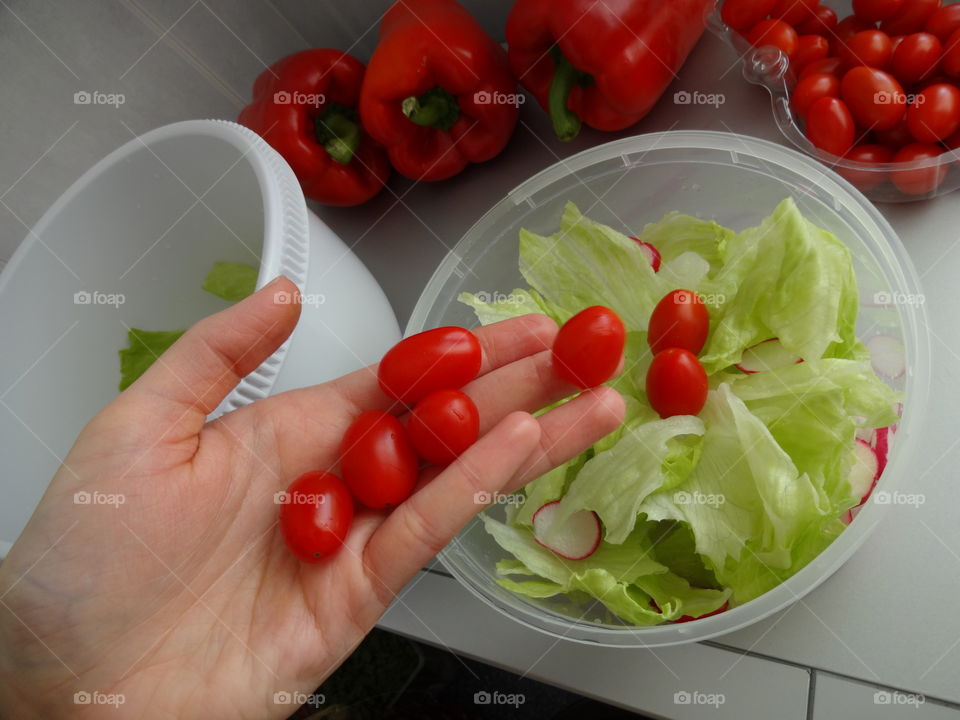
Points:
(603, 63)
(438, 92)
(304, 106)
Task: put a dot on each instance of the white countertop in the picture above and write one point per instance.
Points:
(887, 618)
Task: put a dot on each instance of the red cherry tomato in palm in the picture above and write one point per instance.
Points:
(830, 126)
(950, 63)
(443, 425)
(679, 320)
(915, 58)
(869, 47)
(830, 65)
(793, 11)
(874, 97)
(773, 32)
(923, 180)
(316, 515)
(877, 10)
(943, 22)
(588, 348)
(676, 383)
(377, 460)
(867, 154)
(821, 20)
(439, 359)
(911, 18)
(744, 14)
(935, 113)
(810, 48)
(812, 88)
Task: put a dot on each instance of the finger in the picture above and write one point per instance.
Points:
(416, 530)
(568, 430)
(502, 343)
(189, 380)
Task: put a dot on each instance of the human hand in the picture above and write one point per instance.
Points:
(183, 600)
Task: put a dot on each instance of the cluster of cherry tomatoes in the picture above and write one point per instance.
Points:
(676, 381)
(380, 456)
(877, 87)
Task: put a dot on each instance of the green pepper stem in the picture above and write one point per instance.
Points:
(436, 108)
(339, 134)
(565, 122)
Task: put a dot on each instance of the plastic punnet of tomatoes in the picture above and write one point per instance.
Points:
(870, 87)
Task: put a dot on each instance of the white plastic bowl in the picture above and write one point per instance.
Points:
(737, 181)
(128, 245)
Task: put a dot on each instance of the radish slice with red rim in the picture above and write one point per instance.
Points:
(865, 470)
(578, 538)
(768, 355)
(887, 356)
(653, 255)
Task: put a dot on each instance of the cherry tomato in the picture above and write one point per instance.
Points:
(811, 89)
(935, 113)
(943, 22)
(793, 11)
(830, 65)
(830, 125)
(744, 14)
(869, 47)
(439, 359)
(895, 138)
(377, 460)
(774, 32)
(911, 18)
(876, 10)
(316, 515)
(443, 425)
(874, 97)
(810, 48)
(676, 383)
(850, 26)
(915, 57)
(869, 155)
(895, 41)
(919, 181)
(679, 320)
(950, 63)
(588, 349)
(821, 20)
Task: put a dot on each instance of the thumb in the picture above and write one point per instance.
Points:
(196, 373)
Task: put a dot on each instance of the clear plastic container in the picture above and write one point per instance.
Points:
(770, 68)
(737, 181)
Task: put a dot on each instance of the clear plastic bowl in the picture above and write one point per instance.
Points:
(770, 68)
(737, 181)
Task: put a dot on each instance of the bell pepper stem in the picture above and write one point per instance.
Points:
(565, 122)
(436, 108)
(339, 135)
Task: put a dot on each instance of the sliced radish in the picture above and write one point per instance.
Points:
(865, 470)
(768, 355)
(887, 356)
(881, 446)
(688, 618)
(653, 255)
(578, 538)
